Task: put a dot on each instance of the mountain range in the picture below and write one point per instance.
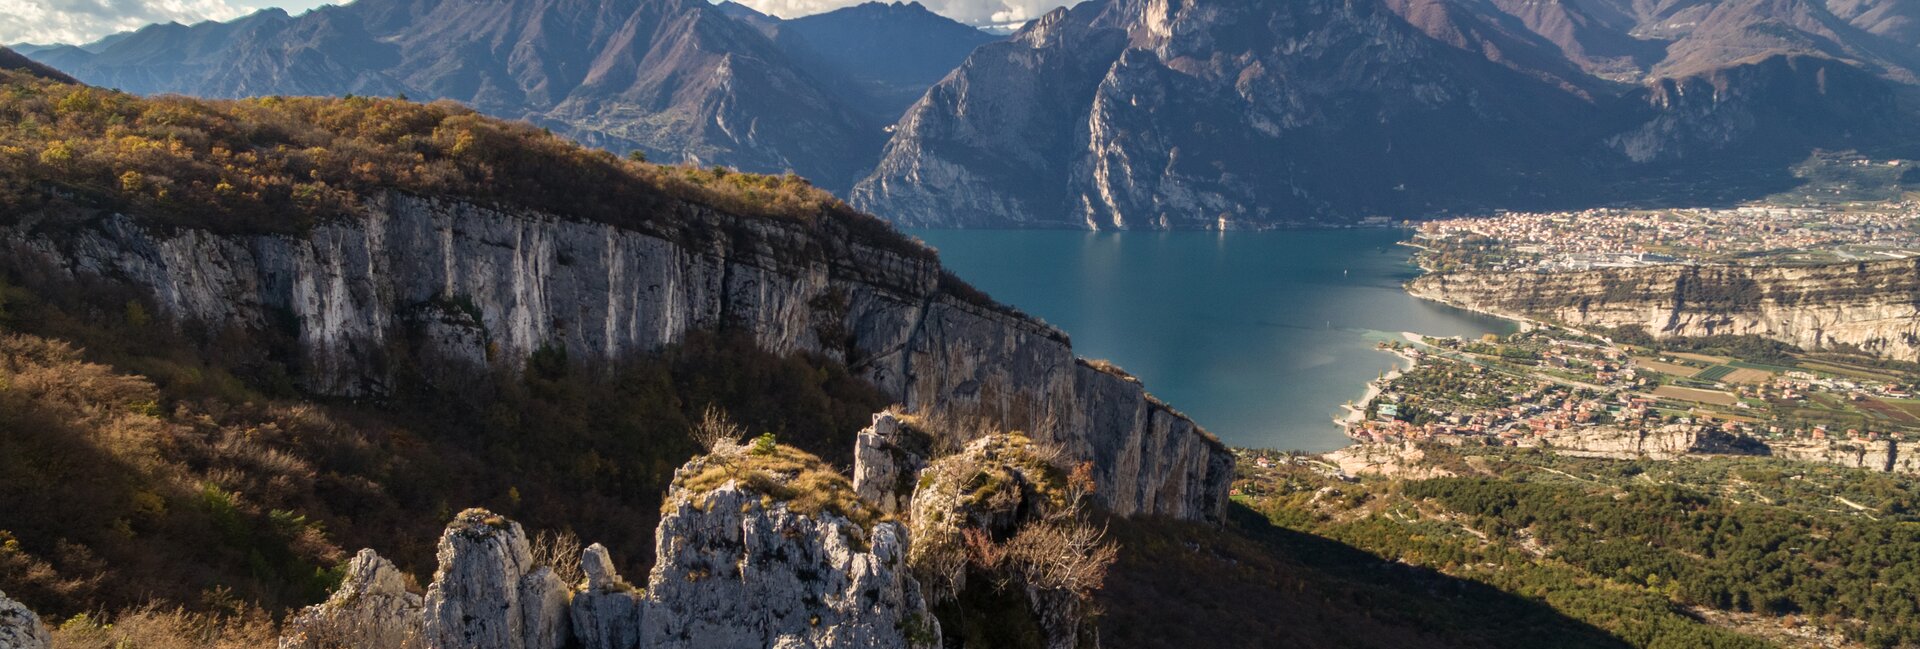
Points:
(1117, 114)
(678, 80)
(1238, 113)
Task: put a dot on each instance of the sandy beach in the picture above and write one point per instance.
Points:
(1357, 410)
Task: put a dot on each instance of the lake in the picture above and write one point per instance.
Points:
(1259, 336)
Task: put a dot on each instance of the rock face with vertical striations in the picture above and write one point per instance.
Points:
(20, 628)
(487, 593)
(482, 284)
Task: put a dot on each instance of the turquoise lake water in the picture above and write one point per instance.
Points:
(1259, 336)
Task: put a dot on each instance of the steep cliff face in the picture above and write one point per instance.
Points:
(1872, 306)
(464, 284)
(1877, 455)
(1664, 443)
(1680, 440)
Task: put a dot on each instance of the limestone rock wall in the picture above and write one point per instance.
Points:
(463, 284)
(1682, 440)
(1663, 443)
(1872, 306)
(1877, 455)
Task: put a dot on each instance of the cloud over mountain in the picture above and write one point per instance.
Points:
(79, 21)
(972, 12)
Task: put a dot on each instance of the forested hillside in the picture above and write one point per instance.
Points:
(1725, 552)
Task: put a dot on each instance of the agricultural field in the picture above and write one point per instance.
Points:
(1730, 373)
(1850, 371)
(1715, 373)
(1664, 367)
(1704, 358)
(1889, 411)
(1746, 365)
(1710, 397)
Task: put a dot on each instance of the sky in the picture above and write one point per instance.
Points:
(83, 21)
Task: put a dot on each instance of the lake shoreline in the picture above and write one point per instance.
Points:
(1260, 336)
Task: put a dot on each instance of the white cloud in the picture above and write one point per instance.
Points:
(972, 12)
(81, 21)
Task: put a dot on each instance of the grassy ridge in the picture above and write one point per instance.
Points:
(280, 164)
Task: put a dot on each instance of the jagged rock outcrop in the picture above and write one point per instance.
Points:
(1873, 307)
(20, 628)
(371, 605)
(1000, 519)
(887, 459)
(496, 284)
(487, 593)
(607, 612)
(738, 569)
(758, 547)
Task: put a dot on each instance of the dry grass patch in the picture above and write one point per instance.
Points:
(780, 473)
(161, 628)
